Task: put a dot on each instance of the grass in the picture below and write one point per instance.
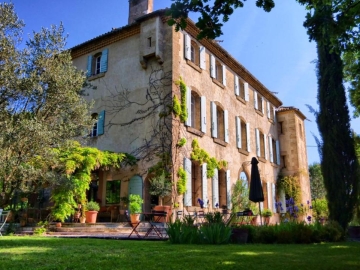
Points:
(29, 252)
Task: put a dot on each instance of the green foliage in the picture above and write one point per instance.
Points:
(41, 103)
(92, 206)
(176, 106)
(135, 204)
(160, 186)
(201, 156)
(266, 212)
(317, 187)
(213, 217)
(41, 228)
(211, 13)
(215, 234)
(181, 183)
(183, 113)
(291, 186)
(240, 196)
(181, 142)
(320, 209)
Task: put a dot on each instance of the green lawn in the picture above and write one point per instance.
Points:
(29, 253)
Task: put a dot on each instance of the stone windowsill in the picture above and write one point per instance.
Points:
(259, 112)
(195, 131)
(220, 142)
(241, 99)
(271, 121)
(96, 76)
(274, 165)
(262, 159)
(218, 83)
(193, 65)
(244, 152)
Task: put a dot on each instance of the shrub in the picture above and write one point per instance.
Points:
(92, 206)
(215, 233)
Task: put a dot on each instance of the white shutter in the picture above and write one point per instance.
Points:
(265, 147)
(202, 58)
(283, 201)
(212, 66)
(246, 90)
(274, 115)
(188, 105)
(278, 152)
(268, 109)
(261, 206)
(228, 189)
(255, 100)
(203, 114)
(224, 75)
(226, 125)
(215, 189)
(188, 192)
(213, 120)
(204, 184)
(187, 46)
(248, 142)
(238, 131)
(237, 88)
(262, 105)
(274, 197)
(257, 138)
(268, 187)
(271, 150)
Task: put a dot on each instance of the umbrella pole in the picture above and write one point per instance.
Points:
(260, 214)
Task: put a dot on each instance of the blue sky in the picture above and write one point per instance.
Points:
(273, 46)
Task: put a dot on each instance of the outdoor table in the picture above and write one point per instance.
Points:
(134, 230)
(243, 217)
(154, 218)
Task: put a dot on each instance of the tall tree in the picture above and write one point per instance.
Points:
(334, 26)
(40, 102)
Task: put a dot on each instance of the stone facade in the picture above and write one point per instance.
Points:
(230, 113)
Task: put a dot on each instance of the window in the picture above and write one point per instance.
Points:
(97, 63)
(195, 110)
(270, 111)
(222, 189)
(113, 192)
(219, 121)
(195, 183)
(196, 187)
(242, 134)
(98, 126)
(218, 71)
(283, 161)
(195, 53)
(149, 42)
(300, 131)
(281, 129)
(260, 144)
(273, 146)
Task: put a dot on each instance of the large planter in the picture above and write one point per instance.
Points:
(354, 232)
(134, 218)
(239, 235)
(91, 216)
(165, 208)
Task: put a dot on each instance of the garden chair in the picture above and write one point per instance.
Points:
(3, 217)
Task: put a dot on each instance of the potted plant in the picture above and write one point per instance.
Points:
(135, 207)
(266, 213)
(92, 211)
(160, 186)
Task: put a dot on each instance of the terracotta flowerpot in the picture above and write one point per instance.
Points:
(91, 216)
(82, 219)
(135, 218)
(165, 208)
(58, 224)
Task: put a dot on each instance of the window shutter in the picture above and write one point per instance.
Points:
(268, 109)
(274, 115)
(204, 184)
(188, 105)
(278, 152)
(271, 150)
(265, 147)
(188, 193)
(101, 123)
(262, 105)
(236, 86)
(238, 131)
(104, 60)
(215, 189)
(202, 58)
(257, 137)
(224, 75)
(212, 66)
(187, 52)
(89, 63)
(226, 125)
(274, 197)
(203, 114)
(213, 120)
(255, 100)
(248, 143)
(269, 195)
(246, 90)
(261, 206)
(228, 189)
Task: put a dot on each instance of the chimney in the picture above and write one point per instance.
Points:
(138, 8)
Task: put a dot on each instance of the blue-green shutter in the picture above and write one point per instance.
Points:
(89, 62)
(136, 186)
(101, 123)
(104, 60)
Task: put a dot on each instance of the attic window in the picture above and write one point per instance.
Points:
(149, 42)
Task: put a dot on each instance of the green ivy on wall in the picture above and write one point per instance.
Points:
(179, 108)
(181, 183)
(201, 156)
(290, 184)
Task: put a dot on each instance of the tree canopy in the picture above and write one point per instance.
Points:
(41, 103)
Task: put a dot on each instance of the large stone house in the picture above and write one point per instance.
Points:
(232, 115)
